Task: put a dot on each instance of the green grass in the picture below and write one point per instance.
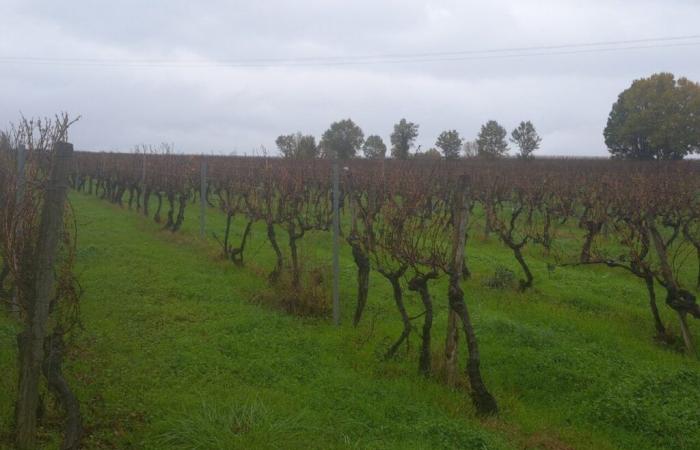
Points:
(175, 354)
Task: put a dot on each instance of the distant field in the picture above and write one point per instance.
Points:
(177, 352)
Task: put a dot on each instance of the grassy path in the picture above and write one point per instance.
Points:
(174, 354)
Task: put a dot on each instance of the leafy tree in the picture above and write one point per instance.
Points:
(343, 139)
(374, 147)
(655, 118)
(491, 142)
(450, 143)
(297, 146)
(405, 133)
(470, 149)
(526, 138)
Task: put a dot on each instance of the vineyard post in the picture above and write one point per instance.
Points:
(21, 185)
(143, 170)
(21, 162)
(203, 199)
(31, 339)
(336, 250)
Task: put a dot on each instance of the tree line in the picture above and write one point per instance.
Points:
(344, 139)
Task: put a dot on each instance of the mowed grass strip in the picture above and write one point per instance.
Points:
(177, 352)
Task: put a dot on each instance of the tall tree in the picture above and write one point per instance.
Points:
(343, 139)
(374, 147)
(491, 142)
(405, 133)
(655, 118)
(297, 146)
(526, 138)
(450, 143)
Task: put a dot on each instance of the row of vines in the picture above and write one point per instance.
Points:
(410, 222)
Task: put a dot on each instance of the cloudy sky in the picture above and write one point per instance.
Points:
(229, 76)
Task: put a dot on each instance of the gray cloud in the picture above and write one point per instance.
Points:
(202, 108)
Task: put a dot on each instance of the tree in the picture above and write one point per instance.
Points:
(297, 146)
(491, 142)
(343, 139)
(655, 118)
(405, 133)
(450, 143)
(526, 138)
(470, 149)
(374, 147)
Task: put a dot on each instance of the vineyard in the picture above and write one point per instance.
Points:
(409, 226)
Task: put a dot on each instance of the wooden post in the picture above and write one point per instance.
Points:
(31, 340)
(19, 198)
(203, 199)
(21, 181)
(336, 244)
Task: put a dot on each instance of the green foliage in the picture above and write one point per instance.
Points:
(491, 141)
(405, 133)
(343, 139)
(655, 118)
(374, 147)
(450, 143)
(297, 146)
(526, 138)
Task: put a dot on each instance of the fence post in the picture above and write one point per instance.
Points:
(203, 199)
(21, 162)
(336, 249)
(31, 339)
(19, 197)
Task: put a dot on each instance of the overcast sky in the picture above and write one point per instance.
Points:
(154, 71)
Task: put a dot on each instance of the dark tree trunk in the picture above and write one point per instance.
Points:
(363, 268)
(419, 284)
(395, 280)
(279, 263)
(52, 368)
(182, 200)
(593, 230)
(237, 253)
(227, 232)
(156, 217)
(527, 282)
(658, 324)
(131, 197)
(484, 402)
(681, 301)
(171, 211)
